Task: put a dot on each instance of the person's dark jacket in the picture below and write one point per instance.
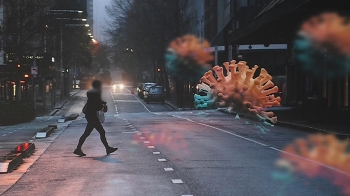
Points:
(94, 102)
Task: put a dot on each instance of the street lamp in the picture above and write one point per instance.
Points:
(60, 13)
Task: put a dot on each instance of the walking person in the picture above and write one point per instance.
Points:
(91, 108)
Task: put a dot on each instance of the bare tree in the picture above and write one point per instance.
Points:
(146, 26)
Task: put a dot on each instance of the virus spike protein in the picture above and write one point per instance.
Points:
(243, 93)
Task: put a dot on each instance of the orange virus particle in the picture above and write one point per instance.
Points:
(329, 29)
(241, 92)
(191, 47)
(320, 151)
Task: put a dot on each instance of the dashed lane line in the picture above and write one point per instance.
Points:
(168, 169)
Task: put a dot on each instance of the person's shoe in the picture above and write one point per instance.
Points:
(79, 152)
(111, 150)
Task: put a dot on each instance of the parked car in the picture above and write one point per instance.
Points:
(145, 87)
(154, 94)
(139, 90)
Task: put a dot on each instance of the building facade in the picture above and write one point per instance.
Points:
(263, 32)
(90, 14)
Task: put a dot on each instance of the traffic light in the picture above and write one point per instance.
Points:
(26, 75)
(18, 65)
(158, 70)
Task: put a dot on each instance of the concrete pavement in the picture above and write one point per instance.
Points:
(162, 152)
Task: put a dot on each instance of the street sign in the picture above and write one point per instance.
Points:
(34, 70)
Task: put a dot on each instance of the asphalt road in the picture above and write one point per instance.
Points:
(165, 152)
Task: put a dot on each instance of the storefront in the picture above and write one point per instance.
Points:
(278, 24)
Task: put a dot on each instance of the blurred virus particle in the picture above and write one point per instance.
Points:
(322, 45)
(330, 30)
(283, 174)
(320, 151)
(241, 92)
(161, 135)
(205, 98)
(186, 59)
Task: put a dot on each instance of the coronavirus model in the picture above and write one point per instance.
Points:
(241, 92)
(324, 39)
(320, 156)
(186, 58)
(329, 30)
(205, 98)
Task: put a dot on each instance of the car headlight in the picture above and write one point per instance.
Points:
(121, 86)
(114, 87)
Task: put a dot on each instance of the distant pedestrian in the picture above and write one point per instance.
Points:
(91, 108)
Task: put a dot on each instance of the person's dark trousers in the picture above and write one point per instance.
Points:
(93, 122)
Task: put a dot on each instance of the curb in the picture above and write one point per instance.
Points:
(54, 126)
(68, 118)
(45, 132)
(53, 112)
(17, 155)
(309, 129)
(61, 120)
(174, 107)
(298, 127)
(71, 116)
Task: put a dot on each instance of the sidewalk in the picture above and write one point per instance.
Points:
(337, 122)
(173, 103)
(58, 105)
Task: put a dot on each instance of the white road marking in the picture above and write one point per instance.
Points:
(140, 102)
(177, 181)
(142, 138)
(265, 145)
(126, 101)
(4, 135)
(232, 134)
(139, 134)
(115, 105)
(162, 160)
(312, 161)
(146, 142)
(151, 147)
(168, 169)
(156, 152)
(221, 130)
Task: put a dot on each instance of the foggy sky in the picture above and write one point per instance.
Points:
(100, 18)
